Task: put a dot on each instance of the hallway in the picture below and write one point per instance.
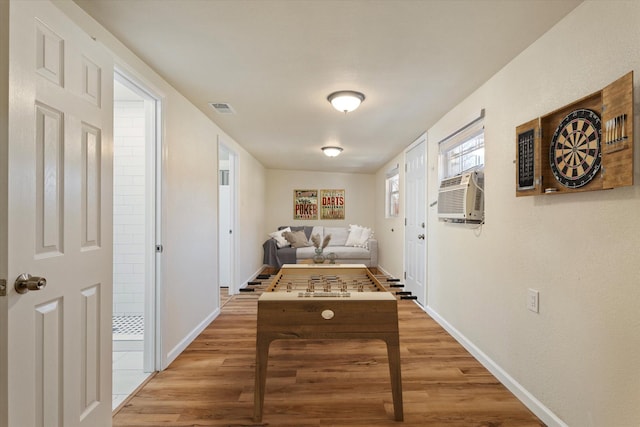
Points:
(322, 383)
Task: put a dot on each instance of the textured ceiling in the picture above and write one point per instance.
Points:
(275, 62)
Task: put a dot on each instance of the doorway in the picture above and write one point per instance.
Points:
(226, 221)
(135, 136)
(415, 230)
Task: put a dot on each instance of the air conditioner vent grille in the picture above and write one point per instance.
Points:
(222, 108)
(451, 202)
(450, 182)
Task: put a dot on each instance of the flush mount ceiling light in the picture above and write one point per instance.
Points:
(331, 151)
(345, 100)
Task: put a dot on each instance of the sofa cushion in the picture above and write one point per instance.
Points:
(298, 239)
(280, 240)
(338, 235)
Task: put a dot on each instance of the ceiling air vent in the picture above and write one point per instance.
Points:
(222, 108)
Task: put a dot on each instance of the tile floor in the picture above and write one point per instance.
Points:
(128, 362)
(128, 373)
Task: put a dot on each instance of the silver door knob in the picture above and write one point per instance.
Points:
(421, 236)
(26, 282)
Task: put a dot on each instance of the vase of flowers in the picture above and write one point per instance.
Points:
(319, 258)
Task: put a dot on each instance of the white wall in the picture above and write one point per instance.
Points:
(189, 288)
(129, 202)
(359, 197)
(579, 357)
(390, 231)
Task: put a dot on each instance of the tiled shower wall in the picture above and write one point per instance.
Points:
(129, 208)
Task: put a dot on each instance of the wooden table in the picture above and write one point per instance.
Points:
(327, 302)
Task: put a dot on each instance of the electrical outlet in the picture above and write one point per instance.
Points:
(533, 300)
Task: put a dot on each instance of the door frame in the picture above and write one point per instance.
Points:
(233, 215)
(422, 139)
(153, 213)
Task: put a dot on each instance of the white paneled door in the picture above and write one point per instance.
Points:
(415, 229)
(57, 357)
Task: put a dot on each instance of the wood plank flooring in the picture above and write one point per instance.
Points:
(323, 383)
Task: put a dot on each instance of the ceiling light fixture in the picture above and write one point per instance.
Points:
(345, 100)
(331, 151)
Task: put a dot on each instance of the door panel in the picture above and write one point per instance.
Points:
(49, 180)
(58, 351)
(415, 231)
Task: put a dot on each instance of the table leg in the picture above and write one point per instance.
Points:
(262, 356)
(393, 353)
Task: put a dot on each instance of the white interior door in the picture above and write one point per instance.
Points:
(58, 339)
(226, 217)
(415, 229)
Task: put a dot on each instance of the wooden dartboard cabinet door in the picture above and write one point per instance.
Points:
(528, 167)
(584, 146)
(617, 132)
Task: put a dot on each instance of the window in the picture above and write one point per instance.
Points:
(464, 150)
(392, 191)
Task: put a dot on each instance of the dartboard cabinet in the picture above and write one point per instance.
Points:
(584, 146)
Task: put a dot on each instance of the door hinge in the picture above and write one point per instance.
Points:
(405, 275)
(3, 288)
(159, 249)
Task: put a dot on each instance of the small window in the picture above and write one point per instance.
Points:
(392, 184)
(463, 151)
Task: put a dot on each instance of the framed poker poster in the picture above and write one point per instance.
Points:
(305, 204)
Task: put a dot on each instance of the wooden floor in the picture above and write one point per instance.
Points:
(323, 383)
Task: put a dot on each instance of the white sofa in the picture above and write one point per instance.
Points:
(367, 255)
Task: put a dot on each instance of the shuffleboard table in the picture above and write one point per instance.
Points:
(341, 301)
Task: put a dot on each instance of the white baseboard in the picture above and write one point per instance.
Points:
(184, 343)
(259, 271)
(528, 399)
(383, 271)
(188, 339)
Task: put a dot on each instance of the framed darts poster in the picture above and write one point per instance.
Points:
(569, 150)
(332, 204)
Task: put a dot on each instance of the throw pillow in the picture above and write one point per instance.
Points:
(281, 242)
(297, 239)
(359, 236)
(306, 228)
(355, 233)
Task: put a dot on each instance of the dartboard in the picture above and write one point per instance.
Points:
(575, 153)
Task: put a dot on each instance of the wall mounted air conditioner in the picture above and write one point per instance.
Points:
(461, 198)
